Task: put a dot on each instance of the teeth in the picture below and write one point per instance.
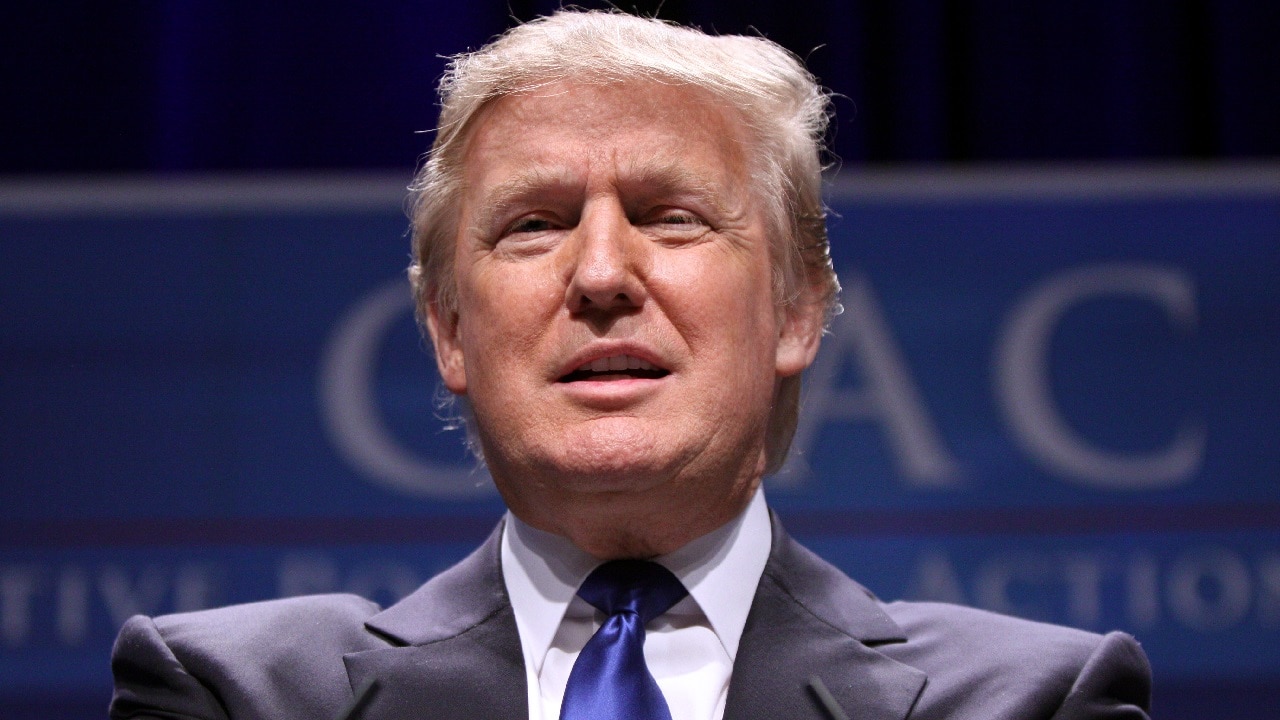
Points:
(614, 363)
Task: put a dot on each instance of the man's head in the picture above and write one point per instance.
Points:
(609, 189)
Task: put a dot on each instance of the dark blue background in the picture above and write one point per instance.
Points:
(167, 444)
(163, 439)
(237, 84)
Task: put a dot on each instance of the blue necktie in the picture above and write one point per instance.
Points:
(609, 680)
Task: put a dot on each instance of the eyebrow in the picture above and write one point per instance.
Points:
(670, 179)
(531, 183)
(642, 181)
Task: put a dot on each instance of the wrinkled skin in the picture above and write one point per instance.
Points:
(617, 223)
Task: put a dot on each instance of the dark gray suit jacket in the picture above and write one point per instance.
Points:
(451, 650)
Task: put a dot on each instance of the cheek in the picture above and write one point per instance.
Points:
(503, 316)
(725, 305)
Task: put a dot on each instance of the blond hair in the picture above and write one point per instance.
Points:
(776, 99)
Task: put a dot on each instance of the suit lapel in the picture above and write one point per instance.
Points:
(810, 620)
(455, 648)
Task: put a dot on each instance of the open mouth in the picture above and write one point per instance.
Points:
(616, 367)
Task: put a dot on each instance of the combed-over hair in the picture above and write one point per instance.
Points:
(776, 99)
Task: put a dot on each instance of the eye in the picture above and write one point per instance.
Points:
(530, 224)
(674, 226)
(528, 235)
(676, 217)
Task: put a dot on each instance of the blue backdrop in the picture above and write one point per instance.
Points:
(1051, 393)
(241, 84)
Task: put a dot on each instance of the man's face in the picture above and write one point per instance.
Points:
(616, 331)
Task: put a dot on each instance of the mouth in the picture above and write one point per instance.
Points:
(615, 367)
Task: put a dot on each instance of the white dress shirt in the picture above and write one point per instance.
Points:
(690, 649)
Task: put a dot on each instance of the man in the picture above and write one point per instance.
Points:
(621, 262)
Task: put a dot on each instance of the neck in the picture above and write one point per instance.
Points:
(616, 526)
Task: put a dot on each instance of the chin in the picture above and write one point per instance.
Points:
(603, 470)
(613, 445)
(588, 470)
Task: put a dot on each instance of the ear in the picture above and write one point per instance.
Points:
(443, 328)
(799, 336)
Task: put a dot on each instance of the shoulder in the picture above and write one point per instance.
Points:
(280, 656)
(308, 618)
(1004, 666)
(954, 631)
(977, 665)
(286, 659)
(261, 630)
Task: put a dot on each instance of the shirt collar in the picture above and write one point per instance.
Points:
(721, 570)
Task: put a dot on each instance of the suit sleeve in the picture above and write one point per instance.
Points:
(1114, 684)
(152, 683)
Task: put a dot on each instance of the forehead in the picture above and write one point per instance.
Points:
(626, 128)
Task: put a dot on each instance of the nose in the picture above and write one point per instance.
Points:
(604, 274)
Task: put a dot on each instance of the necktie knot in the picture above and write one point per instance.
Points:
(609, 680)
(632, 586)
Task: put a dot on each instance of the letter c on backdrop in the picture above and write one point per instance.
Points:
(349, 407)
(1024, 393)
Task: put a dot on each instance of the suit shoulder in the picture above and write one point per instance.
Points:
(945, 625)
(284, 618)
(1032, 667)
(281, 657)
(264, 629)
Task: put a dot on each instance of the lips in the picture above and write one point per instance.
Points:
(618, 366)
